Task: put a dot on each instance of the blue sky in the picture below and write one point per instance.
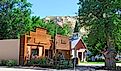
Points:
(44, 8)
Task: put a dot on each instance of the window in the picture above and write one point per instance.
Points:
(28, 39)
(34, 40)
(75, 36)
(63, 41)
(46, 52)
(35, 52)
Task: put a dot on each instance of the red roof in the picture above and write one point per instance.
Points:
(80, 45)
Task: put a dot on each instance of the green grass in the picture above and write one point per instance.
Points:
(92, 62)
(118, 61)
(97, 62)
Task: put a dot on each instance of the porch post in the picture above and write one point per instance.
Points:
(85, 56)
(82, 56)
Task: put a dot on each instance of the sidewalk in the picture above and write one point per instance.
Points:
(81, 67)
(4, 68)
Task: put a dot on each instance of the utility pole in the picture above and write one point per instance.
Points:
(55, 37)
(75, 33)
(76, 30)
(55, 33)
(75, 54)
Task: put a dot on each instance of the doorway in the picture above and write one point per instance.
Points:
(80, 55)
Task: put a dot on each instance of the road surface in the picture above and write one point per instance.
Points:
(32, 69)
(82, 67)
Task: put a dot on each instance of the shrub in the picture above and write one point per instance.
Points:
(31, 62)
(67, 64)
(0, 63)
(11, 63)
(3, 62)
(70, 64)
(100, 60)
(43, 61)
(63, 64)
(39, 61)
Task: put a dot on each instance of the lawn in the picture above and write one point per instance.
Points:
(118, 61)
(97, 62)
(92, 62)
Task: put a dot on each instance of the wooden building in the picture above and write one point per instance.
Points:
(63, 45)
(36, 44)
(78, 48)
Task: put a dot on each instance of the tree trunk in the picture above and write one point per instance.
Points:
(110, 62)
(110, 54)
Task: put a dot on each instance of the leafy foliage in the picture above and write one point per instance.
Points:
(3, 62)
(8, 63)
(102, 19)
(39, 61)
(15, 16)
(16, 19)
(11, 63)
(53, 28)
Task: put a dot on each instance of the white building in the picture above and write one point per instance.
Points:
(78, 48)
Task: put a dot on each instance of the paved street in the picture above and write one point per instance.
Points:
(82, 67)
(46, 69)
(34, 69)
(31, 69)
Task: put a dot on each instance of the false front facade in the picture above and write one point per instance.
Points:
(35, 45)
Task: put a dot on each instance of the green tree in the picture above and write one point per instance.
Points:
(52, 27)
(102, 19)
(14, 18)
(77, 27)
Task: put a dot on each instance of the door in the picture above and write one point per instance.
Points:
(80, 55)
(34, 53)
(40, 51)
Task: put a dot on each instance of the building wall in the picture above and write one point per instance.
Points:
(9, 49)
(63, 45)
(62, 42)
(39, 38)
(66, 53)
